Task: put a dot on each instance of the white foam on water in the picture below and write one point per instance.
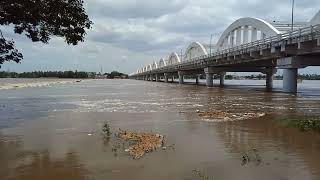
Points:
(34, 84)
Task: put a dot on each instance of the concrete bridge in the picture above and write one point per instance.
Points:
(247, 45)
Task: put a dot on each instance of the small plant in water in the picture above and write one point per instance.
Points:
(251, 156)
(106, 129)
(200, 175)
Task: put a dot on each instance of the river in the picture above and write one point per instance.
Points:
(54, 131)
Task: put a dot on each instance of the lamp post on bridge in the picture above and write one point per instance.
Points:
(292, 12)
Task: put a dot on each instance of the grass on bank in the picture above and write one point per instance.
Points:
(303, 123)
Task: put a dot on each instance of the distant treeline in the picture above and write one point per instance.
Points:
(115, 74)
(62, 74)
(309, 76)
(47, 74)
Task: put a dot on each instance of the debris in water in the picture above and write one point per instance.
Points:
(251, 156)
(137, 144)
(226, 116)
(142, 142)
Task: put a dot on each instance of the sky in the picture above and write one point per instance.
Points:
(128, 34)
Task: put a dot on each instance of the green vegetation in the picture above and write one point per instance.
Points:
(47, 74)
(116, 74)
(304, 124)
(62, 74)
(39, 20)
(309, 76)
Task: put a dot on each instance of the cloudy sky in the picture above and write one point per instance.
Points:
(130, 33)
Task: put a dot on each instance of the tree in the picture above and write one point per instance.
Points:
(7, 51)
(41, 19)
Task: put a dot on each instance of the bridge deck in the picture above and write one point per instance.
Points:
(261, 53)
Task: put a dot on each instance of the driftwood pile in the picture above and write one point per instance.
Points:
(142, 142)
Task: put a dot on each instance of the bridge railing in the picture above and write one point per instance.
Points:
(307, 33)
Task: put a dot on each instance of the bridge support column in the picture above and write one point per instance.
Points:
(290, 80)
(172, 78)
(197, 79)
(157, 77)
(209, 79)
(269, 72)
(269, 81)
(166, 77)
(209, 76)
(222, 79)
(180, 74)
(290, 67)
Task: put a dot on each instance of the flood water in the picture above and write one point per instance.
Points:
(55, 132)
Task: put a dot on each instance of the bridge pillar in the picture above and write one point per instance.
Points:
(269, 81)
(209, 76)
(222, 79)
(197, 79)
(172, 78)
(290, 67)
(290, 76)
(180, 74)
(269, 72)
(157, 77)
(209, 79)
(166, 77)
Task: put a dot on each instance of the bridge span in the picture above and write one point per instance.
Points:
(247, 45)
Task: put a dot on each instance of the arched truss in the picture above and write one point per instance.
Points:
(162, 63)
(245, 30)
(149, 67)
(195, 49)
(174, 59)
(154, 65)
(316, 19)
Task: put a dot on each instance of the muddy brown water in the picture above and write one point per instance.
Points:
(55, 132)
